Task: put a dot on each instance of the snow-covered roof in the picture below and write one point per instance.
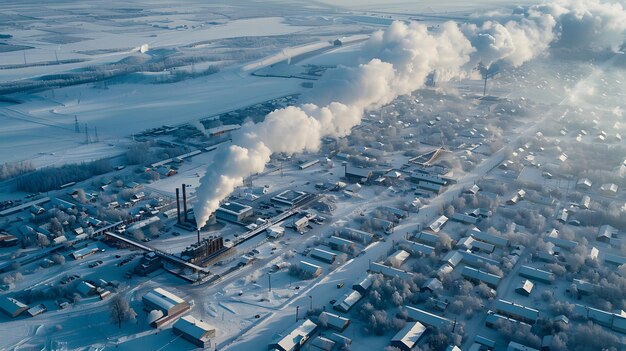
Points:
(12, 306)
(194, 327)
(163, 299)
(409, 335)
(399, 257)
(347, 301)
(297, 335)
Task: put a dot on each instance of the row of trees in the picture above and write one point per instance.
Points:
(10, 170)
(47, 179)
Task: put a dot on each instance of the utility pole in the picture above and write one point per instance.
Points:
(311, 305)
(86, 134)
(76, 128)
(297, 310)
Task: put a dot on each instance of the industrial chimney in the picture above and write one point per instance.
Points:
(185, 201)
(178, 204)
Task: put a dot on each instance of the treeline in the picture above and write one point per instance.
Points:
(10, 170)
(103, 72)
(47, 179)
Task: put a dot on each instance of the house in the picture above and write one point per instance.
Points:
(169, 304)
(585, 202)
(464, 218)
(7, 240)
(437, 224)
(417, 248)
(85, 288)
(453, 258)
(493, 318)
(517, 311)
(364, 284)
(334, 321)
(84, 252)
(12, 307)
(275, 231)
(340, 244)
(525, 287)
(536, 274)
(426, 237)
(398, 213)
(514, 346)
(605, 233)
(553, 237)
(478, 276)
(300, 224)
(37, 210)
(347, 301)
(473, 190)
(323, 255)
(478, 245)
(408, 336)
(562, 215)
(583, 184)
(489, 238)
(294, 337)
(432, 284)
(323, 344)
(427, 318)
(312, 269)
(340, 339)
(357, 175)
(358, 235)
(609, 189)
(614, 259)
(390, 271)
(37, 310)
(196, 331)
(398, 258)
(475, 260)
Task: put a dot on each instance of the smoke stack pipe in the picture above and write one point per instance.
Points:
(198, 236)
(178, 204)
(185, 201)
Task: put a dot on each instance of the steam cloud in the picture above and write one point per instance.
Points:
(397, 62)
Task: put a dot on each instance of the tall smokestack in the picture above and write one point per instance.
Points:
(185, 201)
(198, 236)
(178, 204)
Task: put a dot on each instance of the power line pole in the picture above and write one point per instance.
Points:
(86, 134)
(76, 128)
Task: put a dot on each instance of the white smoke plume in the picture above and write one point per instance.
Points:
(397, 61)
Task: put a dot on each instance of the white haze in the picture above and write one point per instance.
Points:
(397, 61)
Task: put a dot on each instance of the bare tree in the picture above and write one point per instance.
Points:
(120, 310)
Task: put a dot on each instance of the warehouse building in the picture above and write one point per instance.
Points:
(233, 212)
(169, 304)
(12, 307)
(195, 331)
